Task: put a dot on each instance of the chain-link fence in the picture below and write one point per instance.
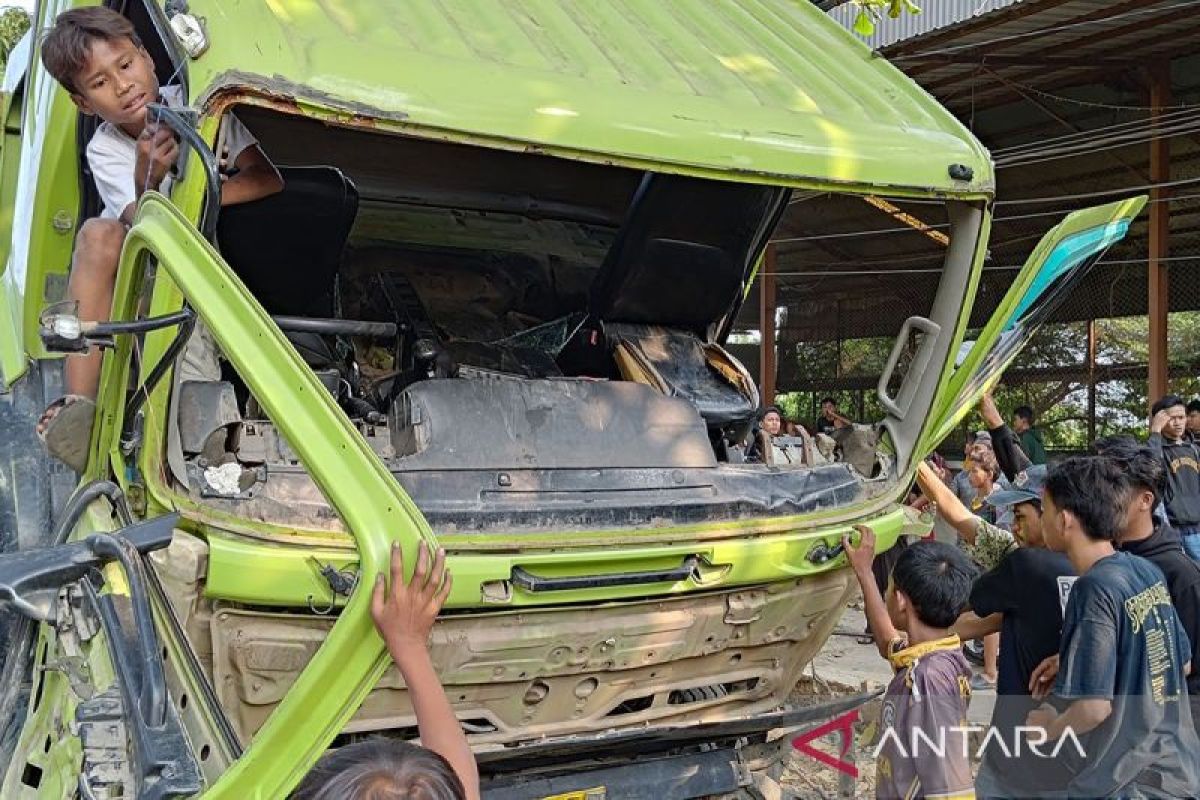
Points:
(1084, 376)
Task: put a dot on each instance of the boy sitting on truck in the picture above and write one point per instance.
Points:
(926, 702)
(96, 55)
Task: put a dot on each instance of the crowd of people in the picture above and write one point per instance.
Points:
(1085, 576)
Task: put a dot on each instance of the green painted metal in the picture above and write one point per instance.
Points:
(46, 193)
(1109, 223)
(289, 576)
(359, 487)
(763, 90)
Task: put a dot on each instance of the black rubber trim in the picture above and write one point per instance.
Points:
(535, 583)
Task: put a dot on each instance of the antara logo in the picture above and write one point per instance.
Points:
(844, 725)
(954, 738)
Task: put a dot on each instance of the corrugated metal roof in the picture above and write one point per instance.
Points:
(766, 89)
(934, 14)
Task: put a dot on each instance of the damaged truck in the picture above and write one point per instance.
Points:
(489, 310)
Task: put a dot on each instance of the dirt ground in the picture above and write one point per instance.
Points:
(844, 667)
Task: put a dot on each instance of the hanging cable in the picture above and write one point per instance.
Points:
(1044, 31)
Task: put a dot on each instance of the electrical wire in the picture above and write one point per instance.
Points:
(1044, 31)
(1085, 136)
(1098, 145)
(944, 225)
(937, 270)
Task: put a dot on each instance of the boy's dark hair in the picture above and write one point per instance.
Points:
(829, 400)
(380, 769)
(66, 46)
(1094, 490)
(937, 578)
(1141, 468)
(1170, 401)
(1194, 405)
(1025, 413)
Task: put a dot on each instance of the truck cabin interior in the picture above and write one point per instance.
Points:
(515, 312)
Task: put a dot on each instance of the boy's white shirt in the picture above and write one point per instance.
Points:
(112, 156)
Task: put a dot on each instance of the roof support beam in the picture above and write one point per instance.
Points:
(766, 315)
(1160, 216)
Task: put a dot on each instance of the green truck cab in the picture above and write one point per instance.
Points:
(487, 311)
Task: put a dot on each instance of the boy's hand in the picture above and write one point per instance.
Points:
(1042, 679)
(1041, 717)
(1159, 421)
(156, 153)
(860, 557)
(404, 612)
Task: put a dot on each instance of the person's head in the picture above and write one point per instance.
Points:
(828, 407)
(1144, 477)
(771, 420)
(1083, 501)
(1022, 419)
(1025, 498)
(96, 55)
(1176, 411)
(984, 469)
(1193, 416)
(380, 769)
(930, 584)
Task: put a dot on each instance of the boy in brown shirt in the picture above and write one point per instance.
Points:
(922, 749)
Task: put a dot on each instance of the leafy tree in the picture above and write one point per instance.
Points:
(872, 11)
(14, 22)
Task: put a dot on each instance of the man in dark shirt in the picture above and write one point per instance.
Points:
(1030, 438)
(1023, 598)
(1193, 420)
(1181, 461)
(830, 419)
(1158, 544)
(1119, 708)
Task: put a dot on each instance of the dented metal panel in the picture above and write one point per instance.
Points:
(753, 88)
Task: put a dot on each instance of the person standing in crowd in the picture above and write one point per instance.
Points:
(1181, 462)
(1123, 656)
(1009, 455)
(1021, 597)
(1193, 420)
(929, 692)
(1157, 543)
(1029, 437)
(831, 419)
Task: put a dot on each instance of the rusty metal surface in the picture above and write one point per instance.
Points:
(520, 676)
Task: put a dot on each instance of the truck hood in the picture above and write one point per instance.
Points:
(765, 91)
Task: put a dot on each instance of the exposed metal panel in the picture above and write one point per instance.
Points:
(934, 14)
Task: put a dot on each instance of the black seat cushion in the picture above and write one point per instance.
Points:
(287, 248)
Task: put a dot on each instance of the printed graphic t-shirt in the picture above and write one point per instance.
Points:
(929, 693)
(1122, 641)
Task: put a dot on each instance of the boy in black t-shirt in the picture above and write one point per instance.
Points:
(1120, 690)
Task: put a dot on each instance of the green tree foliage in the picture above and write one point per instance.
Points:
(871, 11)
(1049, 375)
(13, 24)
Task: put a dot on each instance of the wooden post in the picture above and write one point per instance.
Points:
(766, 316)
(1160, 172)
(1091, 379)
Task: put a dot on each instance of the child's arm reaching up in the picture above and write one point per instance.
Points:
(404, 614)
(860, 559)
